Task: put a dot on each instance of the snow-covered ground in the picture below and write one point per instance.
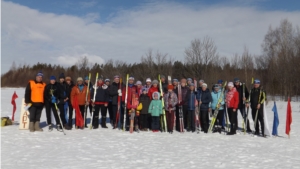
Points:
(107, 148)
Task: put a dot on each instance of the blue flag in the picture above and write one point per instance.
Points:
(276, 120)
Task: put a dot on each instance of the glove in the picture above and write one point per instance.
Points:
(119, 92)
(53, 99)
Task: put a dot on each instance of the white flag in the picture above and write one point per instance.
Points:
(266, 128)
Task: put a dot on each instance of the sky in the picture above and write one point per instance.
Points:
(60, 32)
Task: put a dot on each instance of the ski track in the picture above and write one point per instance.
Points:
(107, 148)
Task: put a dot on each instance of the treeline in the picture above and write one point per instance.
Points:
(278, 67)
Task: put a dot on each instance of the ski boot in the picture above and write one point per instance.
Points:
(50, 128)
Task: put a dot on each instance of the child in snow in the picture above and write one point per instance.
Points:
(171, 100)
(144, 116)
(155, 109)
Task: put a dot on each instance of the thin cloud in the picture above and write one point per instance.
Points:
(167, 27)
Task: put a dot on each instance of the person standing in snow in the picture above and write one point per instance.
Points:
(256, 101)
(190, 99)
(216, 95)
(130, 89)
(114, 93)
(109, 107)
(100, 103)
(184, 104)
(144, 115)
(204, 99)
(34, 95)
(51, 94)
(79, 92)
(69, 87)
(62, 103)
(242, 99)
(171, 101)
(148, 84)
(232, 101)
(155, 109)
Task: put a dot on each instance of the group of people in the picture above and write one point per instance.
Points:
(155, 104)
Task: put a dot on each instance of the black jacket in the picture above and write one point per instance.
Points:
(113, 92)
(101, 95)
(145, 100)
(205, 99)
(255, 97)
(55, 88)
(63, 92)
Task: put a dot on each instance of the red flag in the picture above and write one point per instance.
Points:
(79, 119)
(13, 102)
(288, 118)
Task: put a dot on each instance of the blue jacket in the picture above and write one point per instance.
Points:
(205, 98)
(190, 99)
(215, 98)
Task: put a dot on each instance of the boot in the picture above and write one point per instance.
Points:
(103, 122)
(67, 127)
(37, 126)
(232, 130)
(50, 128)
(31, 126)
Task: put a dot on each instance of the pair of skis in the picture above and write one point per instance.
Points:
(197, 109)
(215, 114)
(163, 120)
(181, 124)
(119, 105)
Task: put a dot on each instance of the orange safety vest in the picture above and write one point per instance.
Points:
(37, 91)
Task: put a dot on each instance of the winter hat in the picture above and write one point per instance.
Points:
(256, 81)
(138, 83)
(236, 79)
(192, 84)
(230, 84)
(100, 78)
(170, 87)
(216, 86)
(68, 78)
(62, 76)
(117, 77)
(144, 89)
(148, 80)
(86, 78)
(220, 81)
(131, 78)
(201, 81)
(79, 79)
(204, 85)
(155, 82)
(107, 80)
(52, 78)
(175, 80)
(162, 76)
(40, 74)
(189, 79)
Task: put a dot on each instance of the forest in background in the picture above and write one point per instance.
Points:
(278, 67)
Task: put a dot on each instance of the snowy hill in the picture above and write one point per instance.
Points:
(107, 148)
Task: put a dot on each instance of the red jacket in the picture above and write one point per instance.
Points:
(232, 99)
(129, 95)
(151, 91)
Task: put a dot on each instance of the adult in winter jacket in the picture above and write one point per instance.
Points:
(183, 104)
(79, 92)
(191, 100)
(232, 101)
(109, 106)
(115, 92)
(242, 100)
(51, 95)
(69, 87)
(153, 88)
(204, 99)
(256, 101)
(171, 101)
(34, 95)
(155, 109)
(145, 117)
(217, 95)
(63, 102)
(100, 102)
